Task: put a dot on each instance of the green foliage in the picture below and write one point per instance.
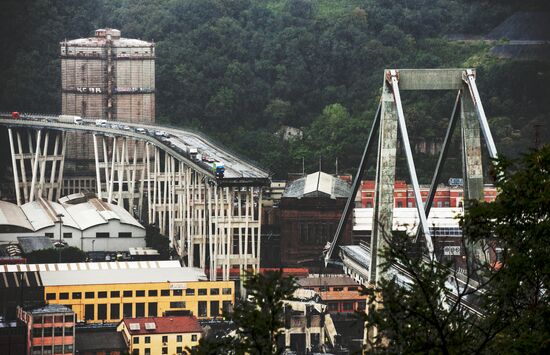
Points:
(228, 67)
(56, 255)
(258, 319)
(514, 300)
(518, 222)
(155, 240)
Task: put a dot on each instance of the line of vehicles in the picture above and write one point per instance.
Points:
(216, 167)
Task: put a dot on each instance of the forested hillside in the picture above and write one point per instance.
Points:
(239, 70)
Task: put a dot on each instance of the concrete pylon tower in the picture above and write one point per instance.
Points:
(389, 124)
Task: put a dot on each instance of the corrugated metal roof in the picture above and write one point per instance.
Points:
(109, 272)
(317, 184)
(11, 214)
(29, 244)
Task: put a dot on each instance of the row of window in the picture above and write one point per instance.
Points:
(338, 289)
(138, 293)
(48, 331)
(147, 339)
(67, 318)
(164, 350)
(55, 349)
(97, 235)
(133, 310)
(345, 306)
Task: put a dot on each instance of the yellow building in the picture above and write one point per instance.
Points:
(107, 292)
(160, 335)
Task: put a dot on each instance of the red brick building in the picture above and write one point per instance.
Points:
(445, 196)
(340, 293)
(50, 329)
(310, 210)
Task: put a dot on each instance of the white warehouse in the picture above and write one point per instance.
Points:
(88, 224)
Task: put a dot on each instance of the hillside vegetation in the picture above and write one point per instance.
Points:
(239, 70)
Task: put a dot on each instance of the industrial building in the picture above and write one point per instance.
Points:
(109, 291)
(169, 335)
(109, 77)
(105, 77)
(50, 329)
(90, 225)
(310, 210)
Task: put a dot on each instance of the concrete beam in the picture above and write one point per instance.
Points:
(430, 79)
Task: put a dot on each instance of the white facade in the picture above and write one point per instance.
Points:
(91, 226)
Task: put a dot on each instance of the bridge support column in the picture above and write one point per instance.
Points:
(41, 160)
(116, 179)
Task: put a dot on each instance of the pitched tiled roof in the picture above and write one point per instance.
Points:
(162, 325)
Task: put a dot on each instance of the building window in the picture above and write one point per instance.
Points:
(68, 331)
(102, 235)
(202, 292)
(194, 337)
(214, 291)
(226, 307)
(136, 351)
(67, 235)
(102, 294)
(57, 349)
(333, 306)
(115, 294)
(147, 351)
(50, 296)
(214, 308)
(354, 288)
(337, 289)
(179, 350)
(226, 291)
(135, 340)
(102, 311)
(178, 304)
(68, 317)
(37, 320)
(165, 350)
(37, 332)
(165, 293)
(127, 310)
(177, 292)
(115, 311)
(58, 331)
(190, 292)
(49, 235)
(68, 349)
(152, 293)
(153, 309)
(399, 204)
(179, 338)
(202, 309)
(348, 306)
(89, 295)
(48, 332)
(77, 295)
(140, 293)
(140, 309)
(89, 312)
(147, 340)
(165, 338)
(127, 293)
(37, 350)
(125, 235)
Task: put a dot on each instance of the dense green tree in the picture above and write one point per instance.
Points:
(410, 317)
(258, 318)
(154, 239)
(56, 255)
